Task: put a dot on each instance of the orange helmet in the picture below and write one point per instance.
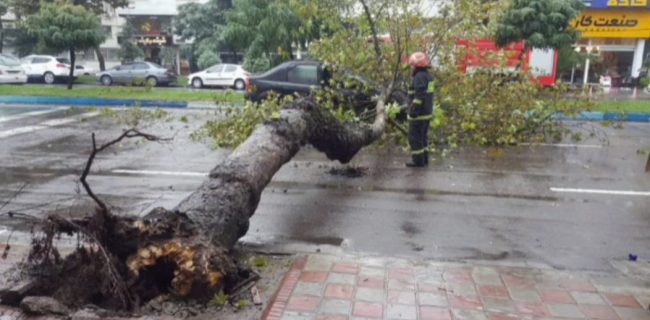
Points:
(419, 60)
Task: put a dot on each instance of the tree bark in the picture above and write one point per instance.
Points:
(73, 58)
(100, 59)
(223, 205)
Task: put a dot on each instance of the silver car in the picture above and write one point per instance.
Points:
(137, 73)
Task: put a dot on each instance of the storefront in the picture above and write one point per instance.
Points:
(614, 33)
(152, 23)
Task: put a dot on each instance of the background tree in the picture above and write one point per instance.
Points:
(26, 43)
(4, 8)
(541, 23)
(63, 26)
(202, 23)
(129, 51)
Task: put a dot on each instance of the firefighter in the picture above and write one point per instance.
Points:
(420, 111)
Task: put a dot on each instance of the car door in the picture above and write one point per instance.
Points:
(39, 66)
(227, 77)
(27, 65)
(121, 74)
(301, 78)
(212, 75)
(140, 72)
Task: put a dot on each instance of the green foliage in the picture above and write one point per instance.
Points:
(260, 262)
(135, 116)
(220, 299)
(208, 59)
(645, 82)
(202, 23)
(129, 51)
(490, 109)
(237, 123)
(62, 26)
(242, 304)
(542, 23)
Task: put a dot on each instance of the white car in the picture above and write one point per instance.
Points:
(11, 71)
(222, 75)
(83, 70)
(47, 68)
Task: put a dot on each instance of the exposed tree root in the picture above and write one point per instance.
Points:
(126, 262)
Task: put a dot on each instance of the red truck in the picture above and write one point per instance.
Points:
(484, 54)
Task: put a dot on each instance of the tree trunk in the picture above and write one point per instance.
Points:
(187, 250)
(222, 206)
(73, 58)
(2, 36)
(100, 59)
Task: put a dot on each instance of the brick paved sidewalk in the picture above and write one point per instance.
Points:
(323, 287)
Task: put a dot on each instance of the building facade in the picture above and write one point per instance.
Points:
(615, 33)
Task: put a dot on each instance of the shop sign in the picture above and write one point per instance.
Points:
(607, 4)
(614, 24)
(152, 41)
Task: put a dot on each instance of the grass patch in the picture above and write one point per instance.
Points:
(642, 106)
(115, 92)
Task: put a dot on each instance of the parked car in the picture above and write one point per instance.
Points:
(83, 70)
(222, 75)
(302, 76)
(46, 68)
(10, 70)
(131, 73)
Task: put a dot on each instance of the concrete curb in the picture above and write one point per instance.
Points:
(96, 102)
(606, 116)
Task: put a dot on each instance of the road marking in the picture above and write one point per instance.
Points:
(161, 173)
(600, 191)
(565, 145)
(45, 125)
(31, 114)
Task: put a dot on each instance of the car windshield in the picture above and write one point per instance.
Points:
(9, 61)
(63, 60)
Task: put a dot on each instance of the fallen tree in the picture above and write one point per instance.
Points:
(125, 261)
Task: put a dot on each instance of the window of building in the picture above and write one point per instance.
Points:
(303, 74)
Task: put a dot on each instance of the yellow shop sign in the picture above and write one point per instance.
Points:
(614, 24)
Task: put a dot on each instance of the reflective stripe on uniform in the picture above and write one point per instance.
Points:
(411, 92)
(432, 87)
(419, 152)
(417, 101)
(421, 118)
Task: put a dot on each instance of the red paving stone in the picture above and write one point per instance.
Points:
(350, 268)
(622, 300)
(368, 310)
(534, 309)
(503, 316)
(314, 276)
(328, 317)
(578, 285)
(371, 282)
(463, 302)
(303, 303)
(599, 312)
(493, 292)
(337, 291)
(431, 313)
(556, 296)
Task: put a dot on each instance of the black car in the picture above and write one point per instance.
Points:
(288, 78)
(302, 76)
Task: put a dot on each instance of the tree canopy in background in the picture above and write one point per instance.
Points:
(63, 26)
(541, 23)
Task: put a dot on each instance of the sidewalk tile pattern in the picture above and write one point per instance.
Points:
(324, 287)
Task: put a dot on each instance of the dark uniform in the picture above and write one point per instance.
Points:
(420, 115)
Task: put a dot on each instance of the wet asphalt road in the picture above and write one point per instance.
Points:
(514, 206)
